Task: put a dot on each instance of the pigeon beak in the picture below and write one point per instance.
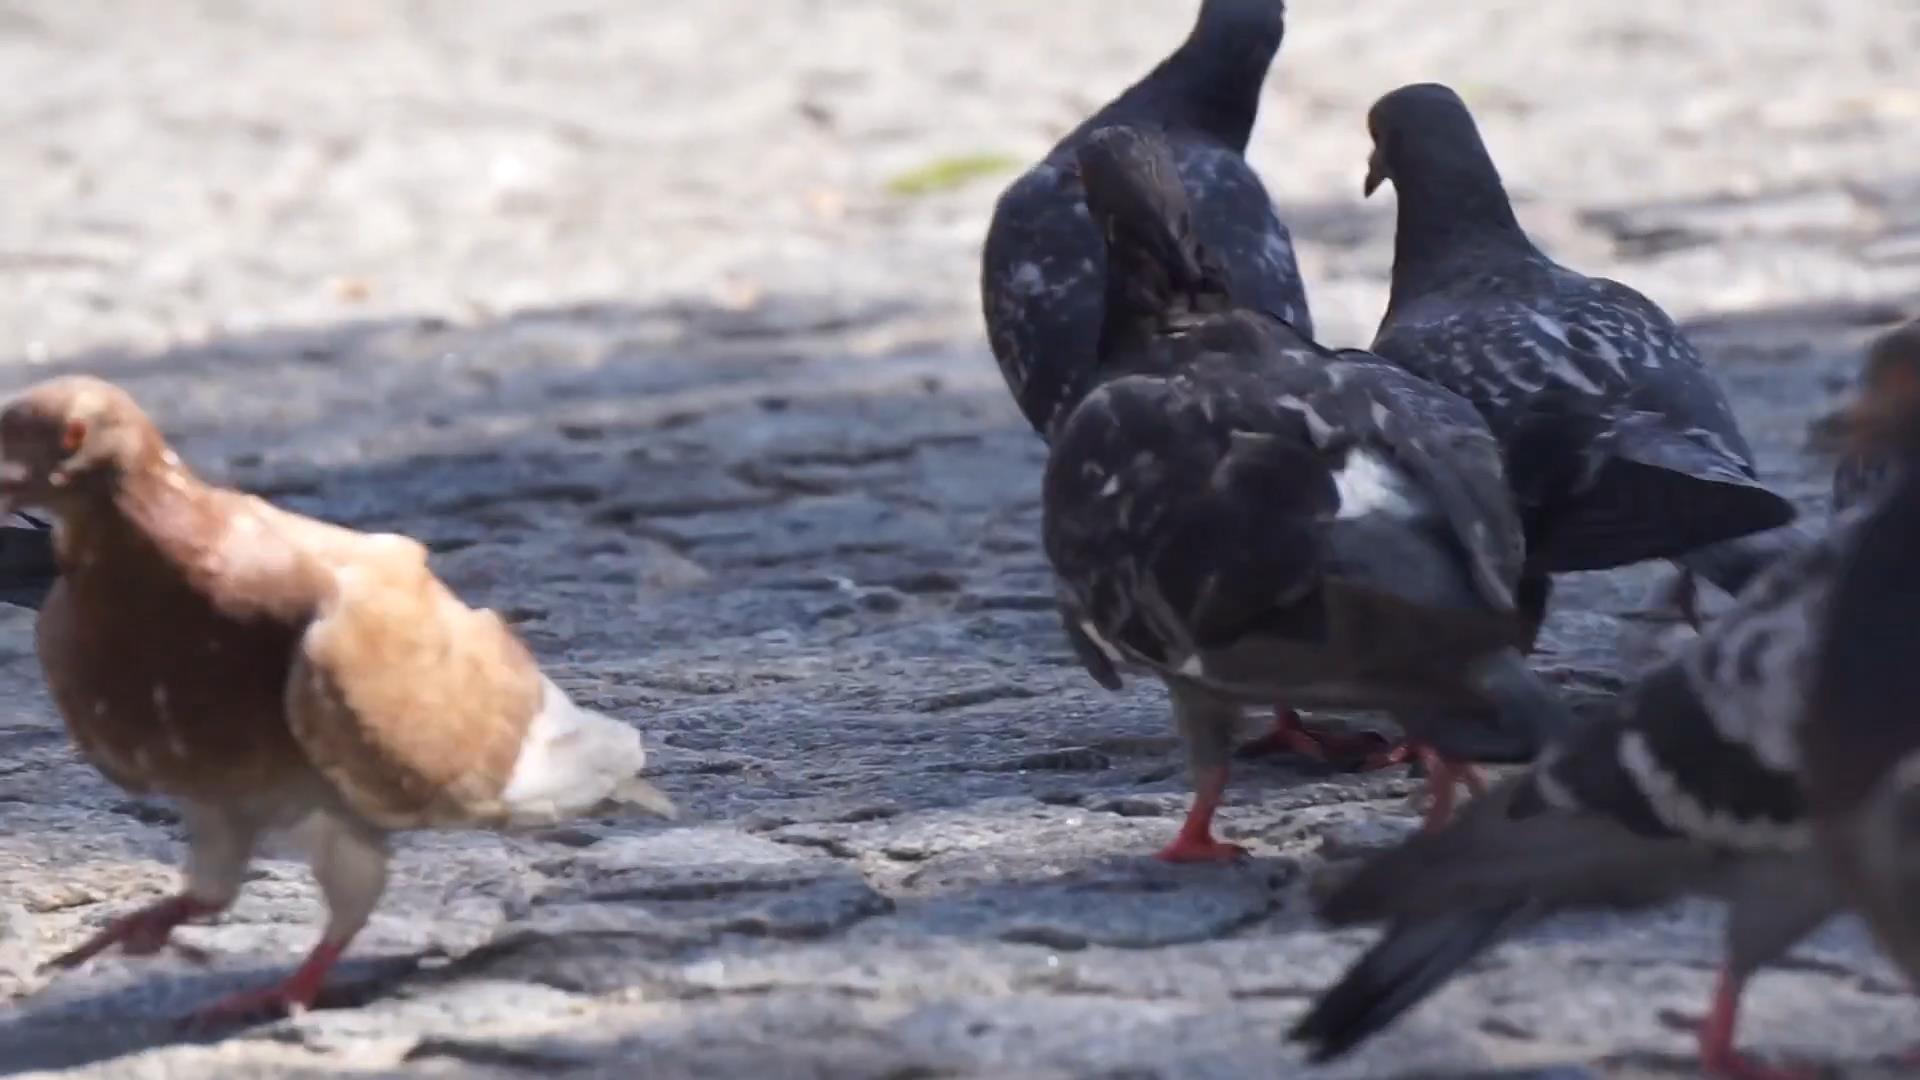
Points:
(1376, 172)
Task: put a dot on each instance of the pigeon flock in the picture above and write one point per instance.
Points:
(1251, 516)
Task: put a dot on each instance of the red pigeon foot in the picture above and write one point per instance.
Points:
(291, 997)
(1290, 735)
(1718, 1058)
(141, 933)
(1442, 775)
(1195, 843)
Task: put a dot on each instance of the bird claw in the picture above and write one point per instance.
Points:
(1291, 736)
(192, 954)
(1732, 1066)
(1718, 1058)
(1208, 850)
(289, 998)
(140, 933)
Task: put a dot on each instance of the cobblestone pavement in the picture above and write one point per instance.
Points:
(657, 321)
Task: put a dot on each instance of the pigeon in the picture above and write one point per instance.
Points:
(1042, 266)
(27, 566)
(1889, 390)
(1693, 787)
(1620, 445)
(1247, 514)
(273, 673)
(1861, 741)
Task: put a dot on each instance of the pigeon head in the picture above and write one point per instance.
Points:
(1417, 127)
(1129, 176)
(1884, 415)
(1250, 27)
(1452, 205)
(67, 438)
(1135, 195)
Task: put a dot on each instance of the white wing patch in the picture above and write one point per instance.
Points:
(1367, 484)
(1317, 427)
(1686, 814)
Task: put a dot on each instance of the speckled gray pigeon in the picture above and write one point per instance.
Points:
(1694, 787)
(1042, 268)
(1249, 515)
(1620, 445)
(1862, 738)
(27, 569)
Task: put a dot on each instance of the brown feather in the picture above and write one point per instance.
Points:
(413, 704)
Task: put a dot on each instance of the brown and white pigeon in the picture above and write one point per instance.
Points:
(1253, 517)
(1620, 444)
(1868, 429)
(1861, 741)
(1693, 788)
(269, 672)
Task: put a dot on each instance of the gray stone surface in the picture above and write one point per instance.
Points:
(620, 307)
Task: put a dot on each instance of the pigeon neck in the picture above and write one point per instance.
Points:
(1452, 209)
(1210, 84)
(132, 512)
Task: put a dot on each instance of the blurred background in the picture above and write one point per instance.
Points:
(181, 169)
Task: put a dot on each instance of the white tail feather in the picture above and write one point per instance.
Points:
(572, 760)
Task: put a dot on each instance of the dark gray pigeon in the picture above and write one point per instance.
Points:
(1620, 445)
(1251, 516)
(1862, 738)
(1695, 787)
(27, 569)
(1042, 267)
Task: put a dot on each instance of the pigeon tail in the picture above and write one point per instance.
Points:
(573, 760)
(1410, 961)
(1658, 494)
(1512, 857)
(27, 565)
(1156, 270)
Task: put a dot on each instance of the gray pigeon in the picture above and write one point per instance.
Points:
(1249, 515)
(1042, 268)
(1620, 445)
(1862, 738)
(27, 568)
(1694, 787)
